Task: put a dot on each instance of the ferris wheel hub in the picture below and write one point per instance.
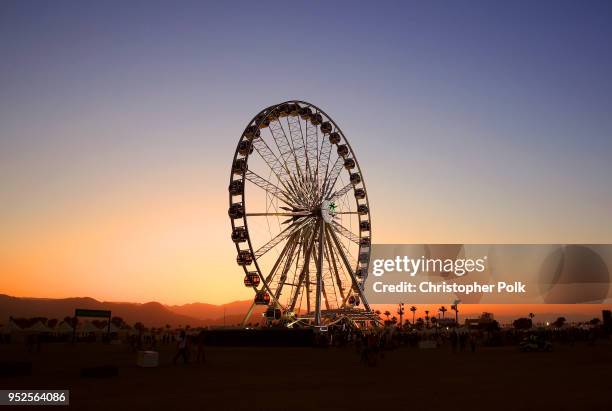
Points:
(328, 211)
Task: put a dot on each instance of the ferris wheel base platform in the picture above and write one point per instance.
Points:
(332, 316)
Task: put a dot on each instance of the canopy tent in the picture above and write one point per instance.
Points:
(10, 328)
(39, 327)
(87, 327)
(64, 328)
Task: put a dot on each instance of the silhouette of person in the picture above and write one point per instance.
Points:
(182, 349)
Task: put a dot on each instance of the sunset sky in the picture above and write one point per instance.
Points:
(483, 124)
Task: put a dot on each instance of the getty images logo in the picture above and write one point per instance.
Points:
(411, 266)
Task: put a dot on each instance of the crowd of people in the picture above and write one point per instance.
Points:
(372, 343)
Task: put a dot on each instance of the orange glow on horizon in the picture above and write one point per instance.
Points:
(138, 246)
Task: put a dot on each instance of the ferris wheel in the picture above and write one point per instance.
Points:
(300, 217)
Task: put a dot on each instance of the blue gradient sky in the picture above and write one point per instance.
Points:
(473, 122)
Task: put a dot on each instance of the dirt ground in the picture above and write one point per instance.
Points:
(570, 378)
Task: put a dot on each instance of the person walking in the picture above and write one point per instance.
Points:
(182, 349)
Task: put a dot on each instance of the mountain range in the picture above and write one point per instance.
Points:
(151, 314)
(155, 314)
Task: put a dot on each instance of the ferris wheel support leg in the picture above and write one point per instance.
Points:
(319, 274)
(304, 270)
(248, 314)
(356, 285)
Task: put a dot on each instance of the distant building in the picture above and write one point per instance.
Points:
(485, 320)
(447, 322)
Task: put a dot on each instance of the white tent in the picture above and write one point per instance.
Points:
(39, 327)
(87, 328)
(64, 328)
(10, 328)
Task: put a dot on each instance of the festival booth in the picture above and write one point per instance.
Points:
(88, 331)
(11, 332)
(38, 328)
(63, 328)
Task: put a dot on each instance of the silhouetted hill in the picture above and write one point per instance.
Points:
(203, 311)
(152, 314)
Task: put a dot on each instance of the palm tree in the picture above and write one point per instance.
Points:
(139, 326)
(387, 314)
(531, 315)
(400, 311)
(443, 310)
(427, 317)
(117, 321)
(413, 309)
(455, 308)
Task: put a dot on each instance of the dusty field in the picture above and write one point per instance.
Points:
(570, 378)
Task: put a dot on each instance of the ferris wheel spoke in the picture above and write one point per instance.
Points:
(284, 147)
(305, 268)
(345, 232)
(297, 251)
(277, 167)
(341, 192)
(330, 180)
(295, 131)
(286, 267)
(286, 255)
(286, 252)
(323, 159)
(300, 265)
(270, 188)
(286, 214)
(347, 264)
(301, 189)
(312, 149)
(290, 230)
(331, 261)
